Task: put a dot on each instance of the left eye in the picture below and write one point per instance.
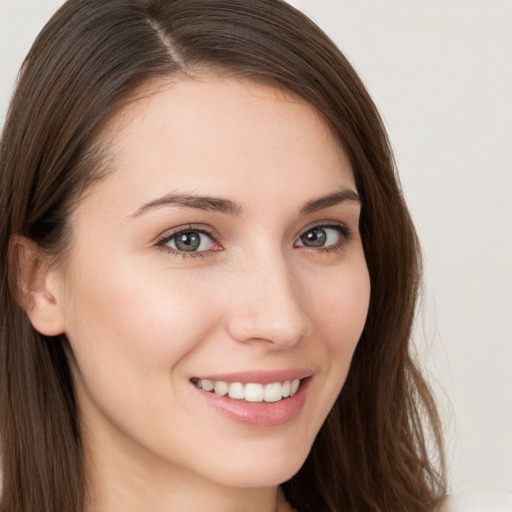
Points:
(189, 241)
(320, 236)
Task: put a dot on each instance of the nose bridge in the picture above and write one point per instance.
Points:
(268, 303)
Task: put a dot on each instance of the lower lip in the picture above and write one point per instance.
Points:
(259, 414)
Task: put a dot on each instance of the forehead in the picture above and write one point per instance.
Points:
(212, 134)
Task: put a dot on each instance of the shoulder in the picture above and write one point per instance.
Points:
(488, 501)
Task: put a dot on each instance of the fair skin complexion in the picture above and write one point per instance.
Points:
(268, 280)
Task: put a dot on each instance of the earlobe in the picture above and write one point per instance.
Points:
(36, 288)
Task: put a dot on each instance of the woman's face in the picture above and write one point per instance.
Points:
(222, 249)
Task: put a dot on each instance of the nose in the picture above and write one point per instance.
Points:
(267, 304)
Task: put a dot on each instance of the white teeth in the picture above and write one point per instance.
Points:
(252, 392)
(207, 385)
(294, 385)
(236, 390)
(273, 392)
(221, 388)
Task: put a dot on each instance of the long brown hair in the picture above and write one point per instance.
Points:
(371, 454)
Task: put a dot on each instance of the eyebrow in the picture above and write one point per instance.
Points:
(206, 203)
(323, 202)
(215, 204)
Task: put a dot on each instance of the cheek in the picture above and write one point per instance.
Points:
(133, 321)
(338, 315)
(339, 312)
(337, 305)
(131, 331)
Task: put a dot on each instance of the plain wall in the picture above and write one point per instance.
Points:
(441, 74)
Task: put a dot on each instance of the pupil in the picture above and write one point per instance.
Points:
(188, 242)
(314, 238)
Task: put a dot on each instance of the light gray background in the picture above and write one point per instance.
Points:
(441, 74)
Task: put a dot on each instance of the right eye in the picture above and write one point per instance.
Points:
(188, 241)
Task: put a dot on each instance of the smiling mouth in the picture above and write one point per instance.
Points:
(250, 392)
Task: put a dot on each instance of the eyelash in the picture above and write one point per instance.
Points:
(343, 230)
(166, 238)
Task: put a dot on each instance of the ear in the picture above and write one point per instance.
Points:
(38, 287)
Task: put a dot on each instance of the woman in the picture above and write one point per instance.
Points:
(204, 242)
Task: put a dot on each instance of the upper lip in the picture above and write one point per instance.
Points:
(259, 376)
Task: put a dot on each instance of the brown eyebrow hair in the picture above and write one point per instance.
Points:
(209, 204)
(330, 200)
(216, 204)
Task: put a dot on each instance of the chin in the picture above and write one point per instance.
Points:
(261, 470)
